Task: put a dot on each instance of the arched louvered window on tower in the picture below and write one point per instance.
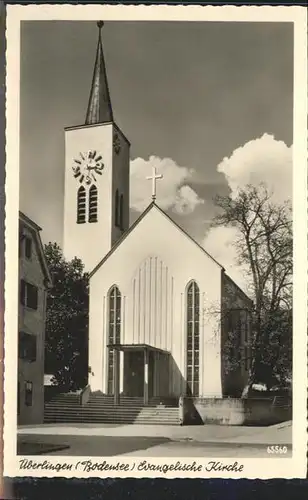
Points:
(121, 212)
(114, 331)
(116, 208)
(81, 205)
(193, 337)
(93, 197)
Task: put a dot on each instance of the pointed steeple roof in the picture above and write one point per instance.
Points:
(99, 107)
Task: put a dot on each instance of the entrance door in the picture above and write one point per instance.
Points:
(134, 373)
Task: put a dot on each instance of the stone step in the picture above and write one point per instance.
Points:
(126, 399)
(89, 411)
(112, 418)
(113, 409)
(106, 404)
(129, 418)
(63, 395)
(112, 415)
(116, 422)
(106, 397)
(131, 403)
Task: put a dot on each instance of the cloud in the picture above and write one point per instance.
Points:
(260, 160)
(173, 190)
(186, 200)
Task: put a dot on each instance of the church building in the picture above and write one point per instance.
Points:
(161, 308)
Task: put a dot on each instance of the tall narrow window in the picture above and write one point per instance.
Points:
(28, 393)
(27, 346)
(28, 247)
(193, 330)
(121, 212)
(81, 205)
(21, 241)
(28, 295)
(116, 208)
(114, 331)
(93, 195)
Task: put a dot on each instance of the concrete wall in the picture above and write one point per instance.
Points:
(32, 322)
(232, 411)
(158, 254)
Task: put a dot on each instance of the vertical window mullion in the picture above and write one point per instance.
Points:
(114, 298)
(193, 337)
(113, 335)
(114, 314)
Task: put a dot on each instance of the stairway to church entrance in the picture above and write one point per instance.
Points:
(100, 409)
(143, 398)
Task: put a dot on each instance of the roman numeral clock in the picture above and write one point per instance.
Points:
(87, 166)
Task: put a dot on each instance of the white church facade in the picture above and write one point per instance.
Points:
(161, 308)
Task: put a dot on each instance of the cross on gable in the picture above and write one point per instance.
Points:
(154, 178)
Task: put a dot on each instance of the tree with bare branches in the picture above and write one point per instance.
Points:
(264, 250)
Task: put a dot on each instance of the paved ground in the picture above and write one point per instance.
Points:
(138, 447)
(95, 446)
(136, 440)
(275, 434)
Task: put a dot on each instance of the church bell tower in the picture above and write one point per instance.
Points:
(96, 191)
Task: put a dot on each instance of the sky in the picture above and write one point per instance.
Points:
(209, 103)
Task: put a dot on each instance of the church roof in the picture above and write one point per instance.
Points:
(132, 227)
(99, 107)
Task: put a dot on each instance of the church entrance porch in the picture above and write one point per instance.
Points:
(145, 371)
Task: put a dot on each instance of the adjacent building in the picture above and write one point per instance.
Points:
(34, 281)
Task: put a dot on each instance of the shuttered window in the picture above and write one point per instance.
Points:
(93, 203)
(81, 205)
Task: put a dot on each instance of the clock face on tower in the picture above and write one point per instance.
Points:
(87, 166)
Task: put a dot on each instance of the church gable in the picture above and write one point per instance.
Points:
(155, 229)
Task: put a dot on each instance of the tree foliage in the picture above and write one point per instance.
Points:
(264, 250)
(66, 345)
